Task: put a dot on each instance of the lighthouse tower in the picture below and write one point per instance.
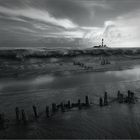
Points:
(102, 42)
(101, 45)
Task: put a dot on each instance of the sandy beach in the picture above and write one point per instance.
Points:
(116, 121)
(43, 81)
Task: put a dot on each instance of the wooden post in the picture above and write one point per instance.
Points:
(118, 95)
(132, 97)
(35, 111)
(62, 107)
(2, 121)
(105, 99)
(129, 96)
(121, 100)
(47, 112)
(54, 108)
(79, 104)
(17, 114)
(24, 118)
(129, 93)
(69, 104)
(87, 101)
(101, 102)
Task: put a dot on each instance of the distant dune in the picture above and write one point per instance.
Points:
(60, 52)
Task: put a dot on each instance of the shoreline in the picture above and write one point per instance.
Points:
(32, 70)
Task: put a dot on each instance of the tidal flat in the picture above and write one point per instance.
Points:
(28, 80)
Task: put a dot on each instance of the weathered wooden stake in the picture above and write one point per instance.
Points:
(54, 108)
(87, 101)
(62, 107)
(101, 102)
(24, 118)
(47, 112)
(132, 97)
(121, 99)
(2, 121)
(105, 99)
(69, 104)
(129, 96)
(17, 114)
(35, 111)
(79, 104)
(118, 95)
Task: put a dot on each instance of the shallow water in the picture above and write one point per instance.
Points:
(44, 90)
(114, 121)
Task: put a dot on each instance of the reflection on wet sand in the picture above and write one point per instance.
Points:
(35, 97)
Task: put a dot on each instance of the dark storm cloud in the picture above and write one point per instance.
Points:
(108, 9)
(69, 9)
(28, 20)
(91, 12)
(82, 12)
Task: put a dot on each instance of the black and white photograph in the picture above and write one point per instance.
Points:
(69, 69)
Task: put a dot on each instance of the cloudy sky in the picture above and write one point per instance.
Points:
(82, 22)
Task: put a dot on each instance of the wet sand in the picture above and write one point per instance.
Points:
(23, 87)
(116, 121)
(33, 67)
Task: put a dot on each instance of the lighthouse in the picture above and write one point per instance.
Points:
(102, 42)
(102, 45)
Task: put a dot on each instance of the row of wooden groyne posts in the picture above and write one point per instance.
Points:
(21, 117)
(104, 61)
(82, 65)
